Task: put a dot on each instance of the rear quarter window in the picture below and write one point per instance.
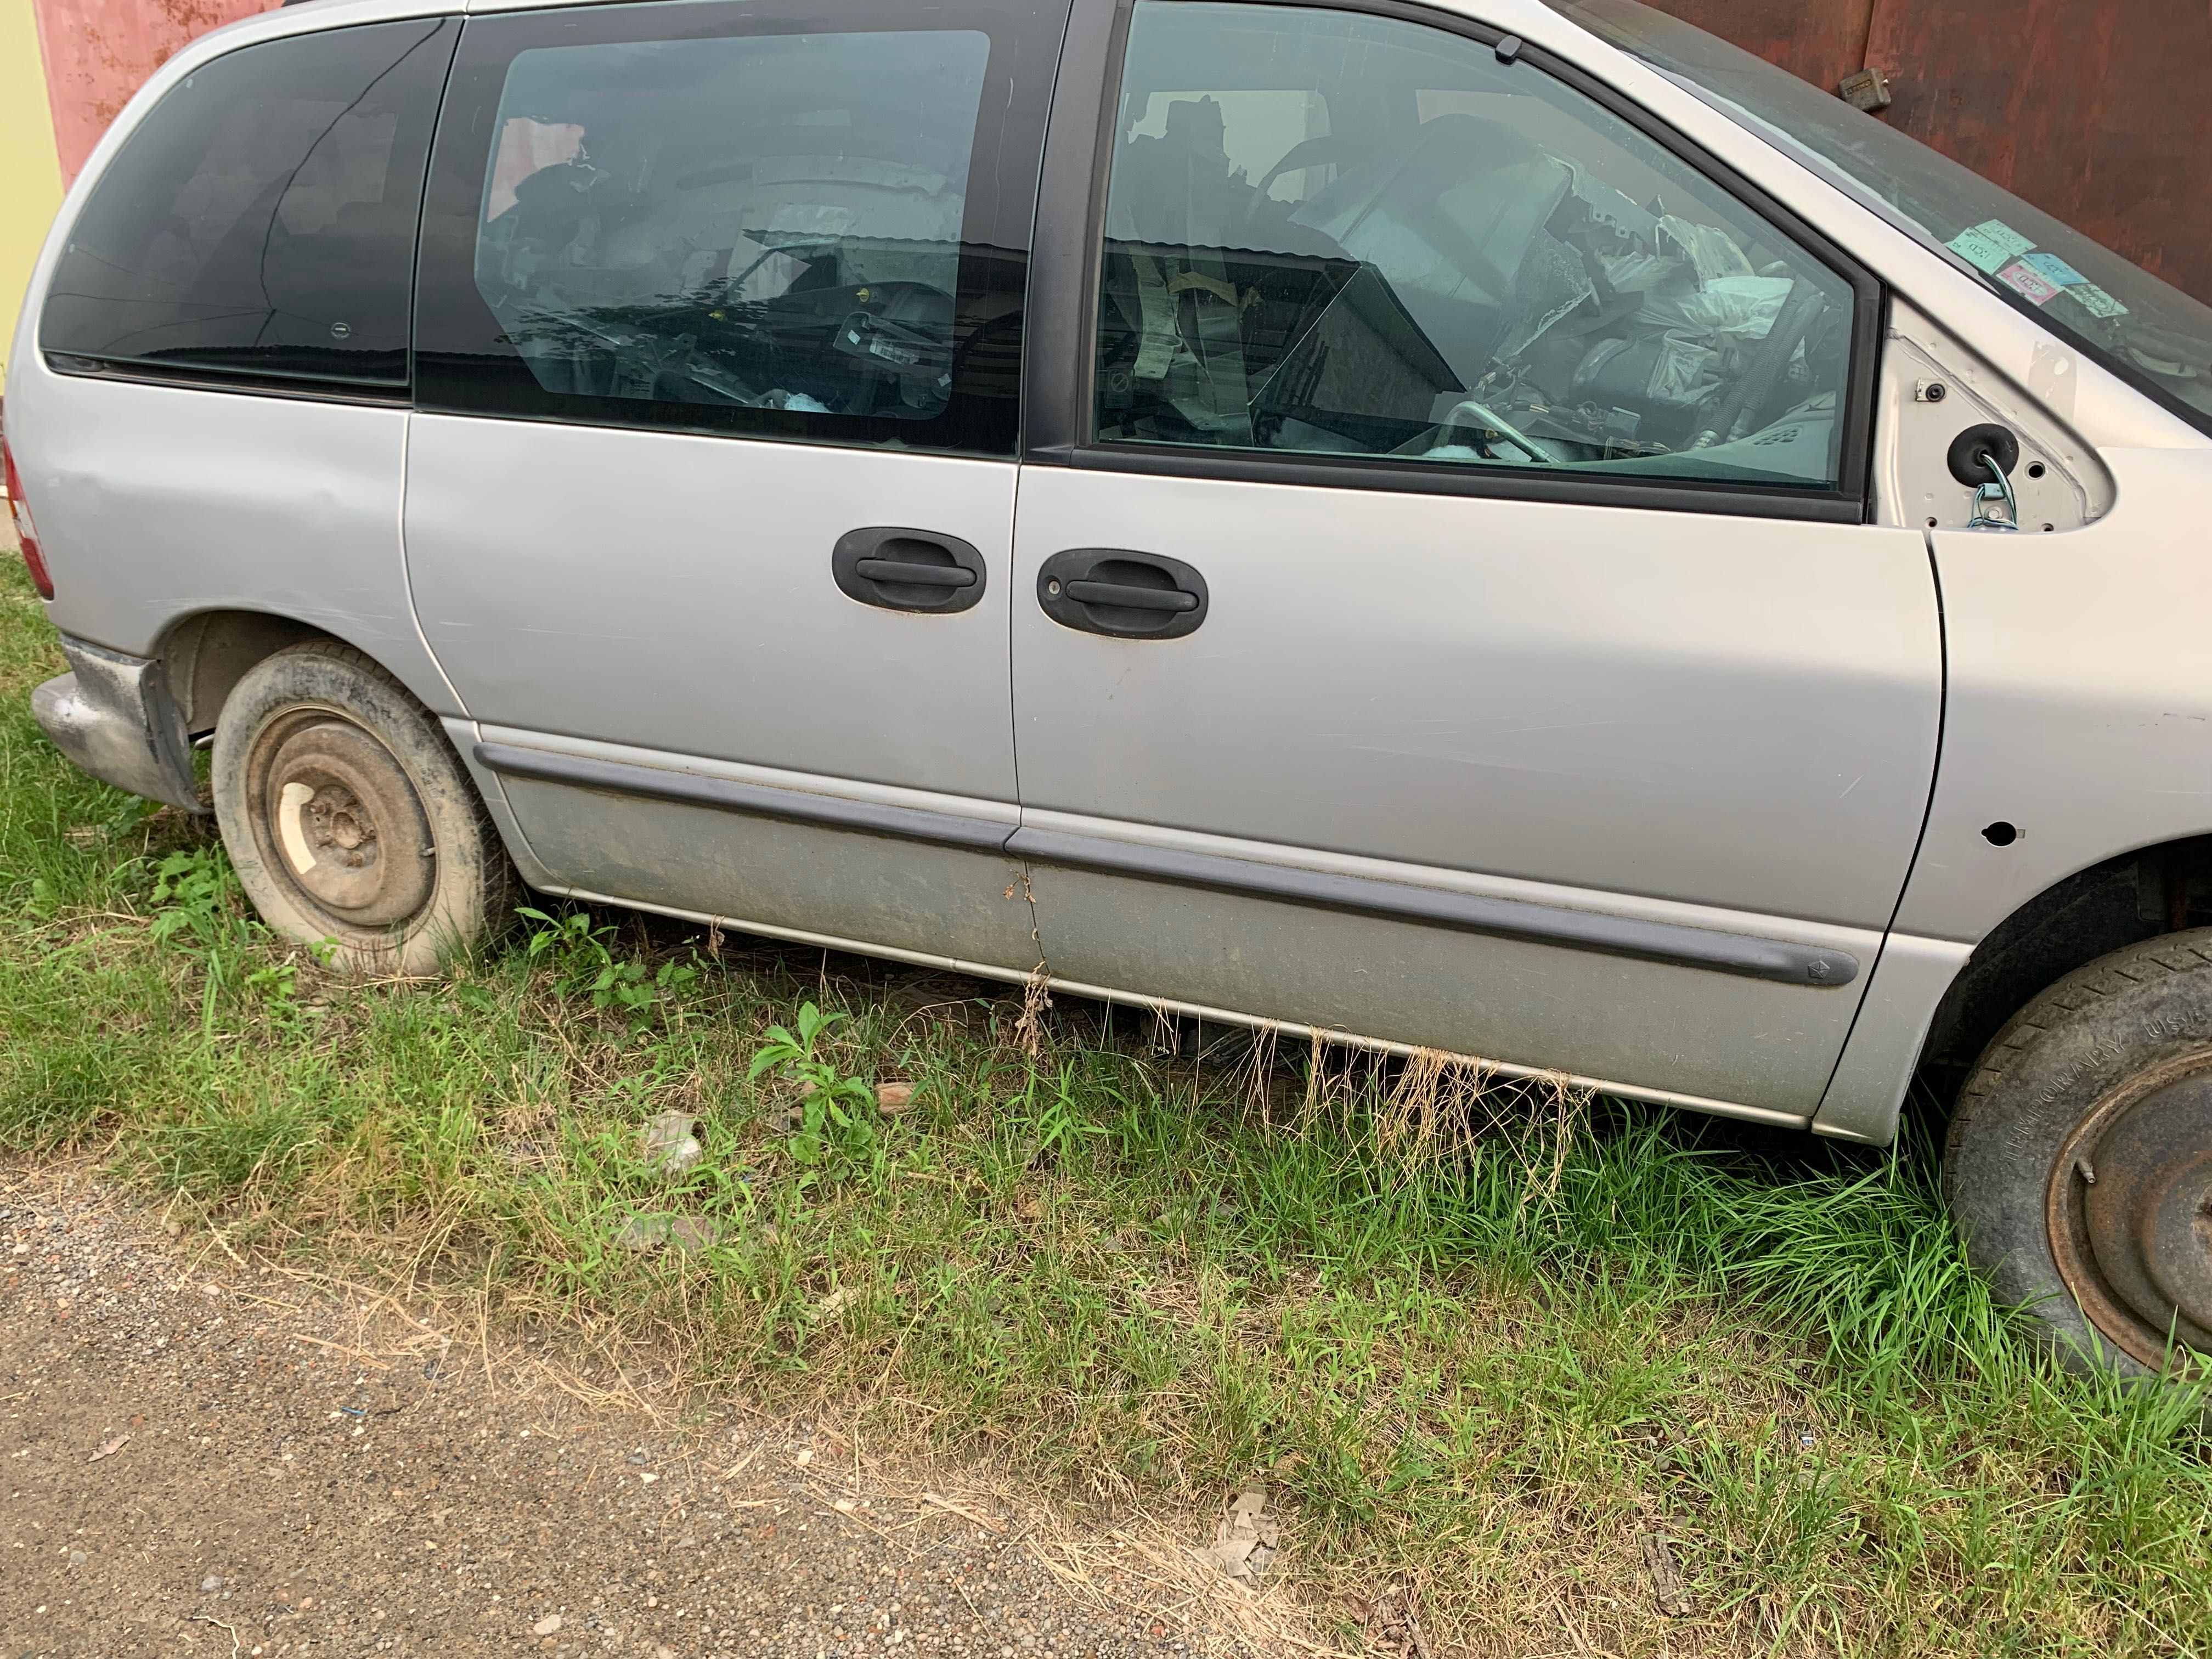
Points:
(260, 222)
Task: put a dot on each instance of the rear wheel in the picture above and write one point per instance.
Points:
(348, 817)
(2080, 1161)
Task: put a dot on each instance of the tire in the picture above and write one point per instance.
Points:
(349, 818)
(2079, 1163)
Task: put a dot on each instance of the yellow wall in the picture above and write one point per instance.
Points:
(30, 166)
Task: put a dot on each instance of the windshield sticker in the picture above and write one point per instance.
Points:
(2031, 283)
(1990, 244)
(2096, 301)
(2054, 268)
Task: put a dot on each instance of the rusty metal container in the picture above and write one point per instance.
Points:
(2094, 110)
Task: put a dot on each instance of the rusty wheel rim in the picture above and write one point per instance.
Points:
(2129, 1211)
(340, 822)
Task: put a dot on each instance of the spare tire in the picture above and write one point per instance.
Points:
(348, 816)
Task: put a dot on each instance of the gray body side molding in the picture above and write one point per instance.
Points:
(114, 718)
(754, 799)
(1544, 924)
(1698, 947)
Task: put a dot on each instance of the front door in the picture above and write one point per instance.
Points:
(710, 489)
(1454, 623)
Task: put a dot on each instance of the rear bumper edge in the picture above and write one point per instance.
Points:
(113, 718)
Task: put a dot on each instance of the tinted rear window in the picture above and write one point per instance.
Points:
(261, 221)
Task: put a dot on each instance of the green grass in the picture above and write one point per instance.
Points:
(1484, 1363)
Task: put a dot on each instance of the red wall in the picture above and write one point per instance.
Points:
(99, 52)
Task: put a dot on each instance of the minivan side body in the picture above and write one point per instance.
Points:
(1702, 787)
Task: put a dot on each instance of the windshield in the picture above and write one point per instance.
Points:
(2150, 332)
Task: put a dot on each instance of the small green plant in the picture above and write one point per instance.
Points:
(1058, 1129)
(277, 985)
(838, 1116)
(193, 891)
(198, 908)
(585, 965)
(474, 997)
(573, 947)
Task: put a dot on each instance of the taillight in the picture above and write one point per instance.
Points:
(25, 531)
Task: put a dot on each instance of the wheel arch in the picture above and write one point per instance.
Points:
(2161, 888)
(204, 655)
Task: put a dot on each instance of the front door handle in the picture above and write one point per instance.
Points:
(1129, 597)
(908, 569)
(1124, 595)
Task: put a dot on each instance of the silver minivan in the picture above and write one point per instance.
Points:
(1474, 525)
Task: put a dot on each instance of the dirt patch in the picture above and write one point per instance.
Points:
(223, 1459)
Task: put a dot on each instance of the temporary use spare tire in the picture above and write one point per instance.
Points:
(348, 817)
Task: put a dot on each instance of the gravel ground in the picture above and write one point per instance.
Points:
(234, 1462)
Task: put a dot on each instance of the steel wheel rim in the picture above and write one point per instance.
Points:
(2130, 1213)
(338, 820)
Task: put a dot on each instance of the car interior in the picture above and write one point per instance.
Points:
(1386, 250)
(731, 222)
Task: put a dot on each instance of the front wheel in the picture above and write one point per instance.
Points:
(2079, 1166)
(348, 818)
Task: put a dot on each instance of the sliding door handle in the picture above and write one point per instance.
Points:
(908, 569)
(1124, 594)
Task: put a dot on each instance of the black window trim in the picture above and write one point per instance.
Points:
(252, 383)
(1057, 390)
(370, 391)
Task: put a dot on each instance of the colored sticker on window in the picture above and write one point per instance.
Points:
(1989, 246)
(2054, 268)
(2096, 301)
(2026, 280)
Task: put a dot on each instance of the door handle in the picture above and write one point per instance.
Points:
(897, 569)
(1124, 595)
(907, 573)
(1131, 597)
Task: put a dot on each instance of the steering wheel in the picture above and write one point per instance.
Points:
(1792, 325)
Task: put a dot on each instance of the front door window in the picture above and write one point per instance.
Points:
(1334, 233)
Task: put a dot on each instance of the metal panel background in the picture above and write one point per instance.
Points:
(1821, 40)
(2094, 110)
